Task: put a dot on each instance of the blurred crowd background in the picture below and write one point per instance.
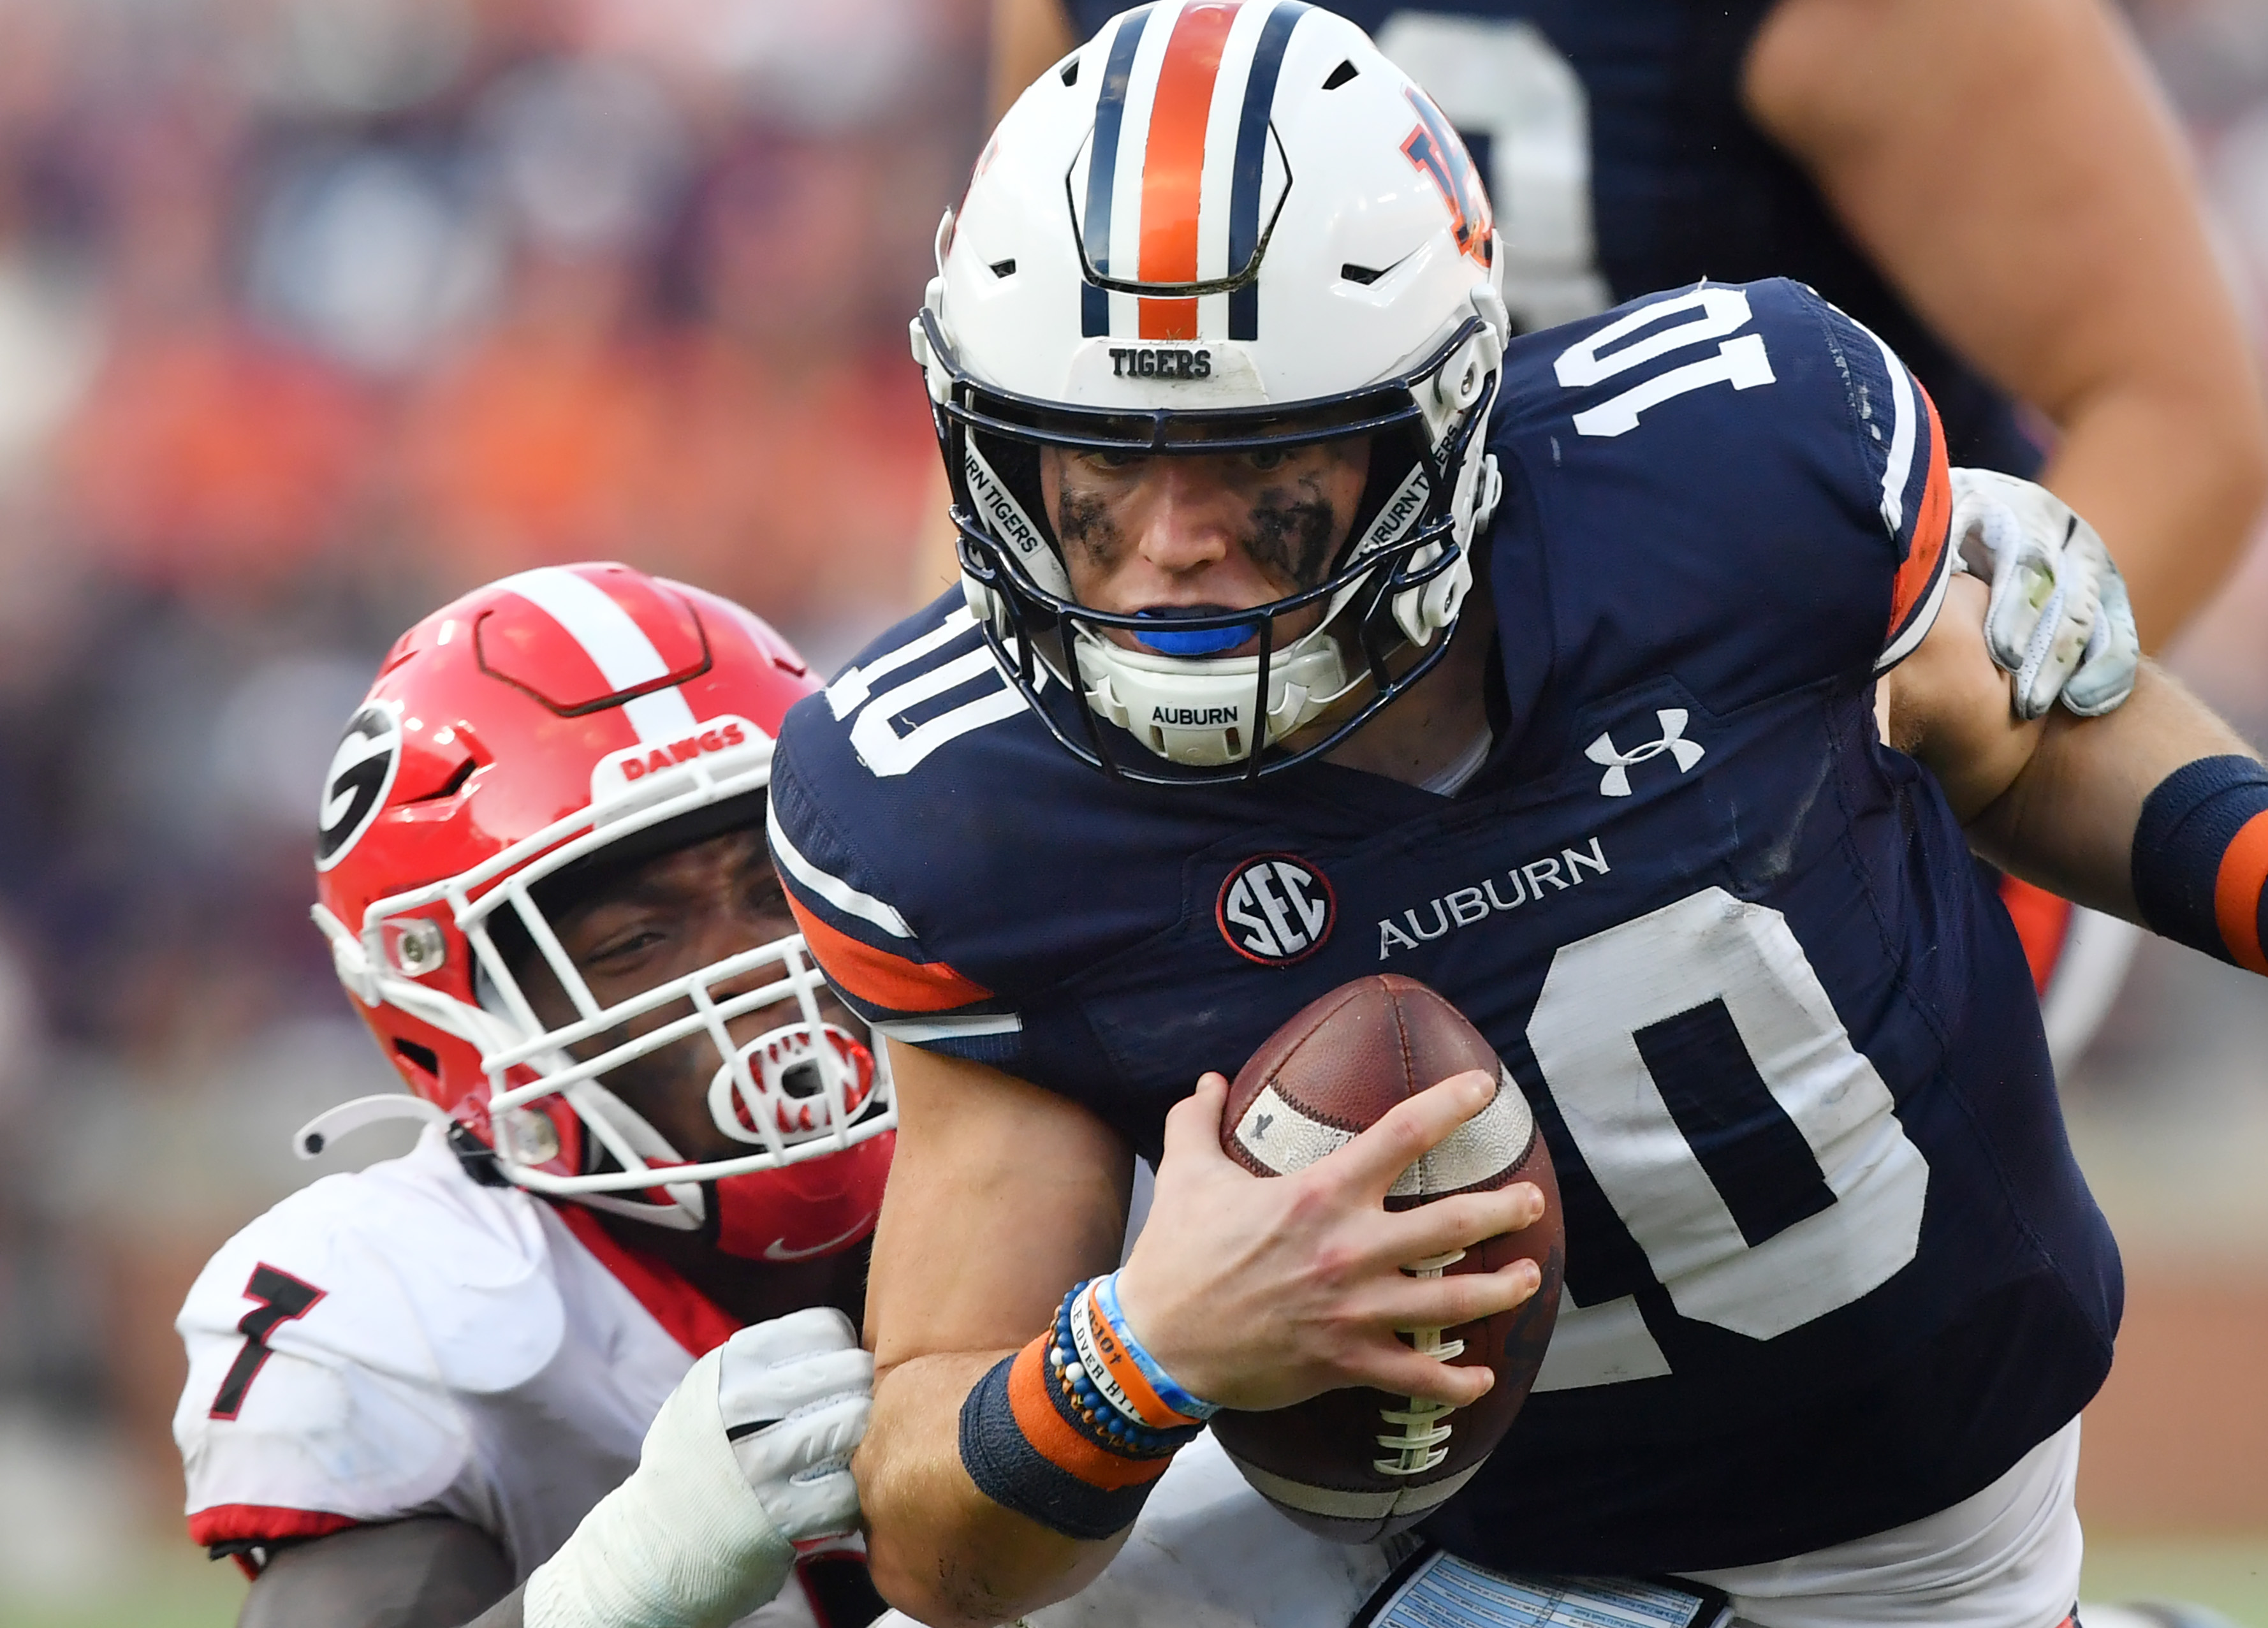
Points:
(314, 312)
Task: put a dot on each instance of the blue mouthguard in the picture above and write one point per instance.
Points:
(1193, 642)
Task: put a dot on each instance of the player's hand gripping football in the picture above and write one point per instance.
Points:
(749, 1456)
(2058, 622)
(1258, 1293)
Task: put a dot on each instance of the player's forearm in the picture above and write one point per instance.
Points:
(2173, 473)
(2013, 172)
(940, 1550)
(2068, 821)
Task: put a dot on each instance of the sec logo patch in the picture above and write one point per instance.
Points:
(1275, 909)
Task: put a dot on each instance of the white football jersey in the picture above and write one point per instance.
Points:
(402, 1341)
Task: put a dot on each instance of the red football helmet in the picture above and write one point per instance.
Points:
(531, 724)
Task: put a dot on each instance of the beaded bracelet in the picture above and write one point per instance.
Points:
(1108, 1374)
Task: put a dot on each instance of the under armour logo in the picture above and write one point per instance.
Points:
(1616, 781)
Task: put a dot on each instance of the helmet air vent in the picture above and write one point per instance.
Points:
(1004, 267)
(557, 631)
(1340, 75)
(451, 786)
(1365, 275)
(1070, 74)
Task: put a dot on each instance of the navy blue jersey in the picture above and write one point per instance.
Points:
(1831, 1266)
(1620, 160)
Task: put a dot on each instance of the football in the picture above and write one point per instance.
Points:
(1357, 1465)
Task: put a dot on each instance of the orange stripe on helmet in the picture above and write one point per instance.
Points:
(1930, 524)
(2236, 890)
(894, 982)
(1172, 164)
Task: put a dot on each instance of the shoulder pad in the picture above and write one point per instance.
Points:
(422, 1275)
(903, 758)
(1752, 453)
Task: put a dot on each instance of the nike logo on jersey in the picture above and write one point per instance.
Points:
(777, 1250)
(1616, 781)
(1468, 907)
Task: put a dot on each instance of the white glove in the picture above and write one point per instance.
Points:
(748, 1455)
(2058, 622)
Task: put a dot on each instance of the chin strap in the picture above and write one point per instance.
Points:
(634, 1142)
(312, 1138)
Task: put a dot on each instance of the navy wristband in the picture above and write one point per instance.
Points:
(1033, 1444)
(2201, 859)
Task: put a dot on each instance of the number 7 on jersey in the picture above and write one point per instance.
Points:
(283, 1299)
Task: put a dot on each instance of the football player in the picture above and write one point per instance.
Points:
(654, 1153)
(2000, 196)
(1315, 627)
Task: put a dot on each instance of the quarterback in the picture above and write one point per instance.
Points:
(2052, 250)
(1618, 680)
(582, 1357)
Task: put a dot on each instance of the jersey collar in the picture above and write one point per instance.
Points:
(686, 1315)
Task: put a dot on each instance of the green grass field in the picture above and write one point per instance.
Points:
(2230, 1574)
(176, 1589)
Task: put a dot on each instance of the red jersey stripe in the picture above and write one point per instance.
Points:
(879, 978)
(686, 1315)
(238, 1523)
(1172, 164)
(2237, 892)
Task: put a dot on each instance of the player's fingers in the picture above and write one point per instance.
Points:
(801, 1468)
(2024, 582)
(1457, 1222)
(1410, 1128)
(826, 1502)
(1456, 1298)
(810, 1437)
(1393, 1368)
(797, 1334)
(2066, 622)
(2113, 657)
(1193, 1126)
(776, 1390)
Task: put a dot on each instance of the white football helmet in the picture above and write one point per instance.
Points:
(1214, 228)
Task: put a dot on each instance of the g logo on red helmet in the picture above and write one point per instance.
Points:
(361, 774)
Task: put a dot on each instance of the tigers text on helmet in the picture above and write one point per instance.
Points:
(1219, 228)
(553, 723)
